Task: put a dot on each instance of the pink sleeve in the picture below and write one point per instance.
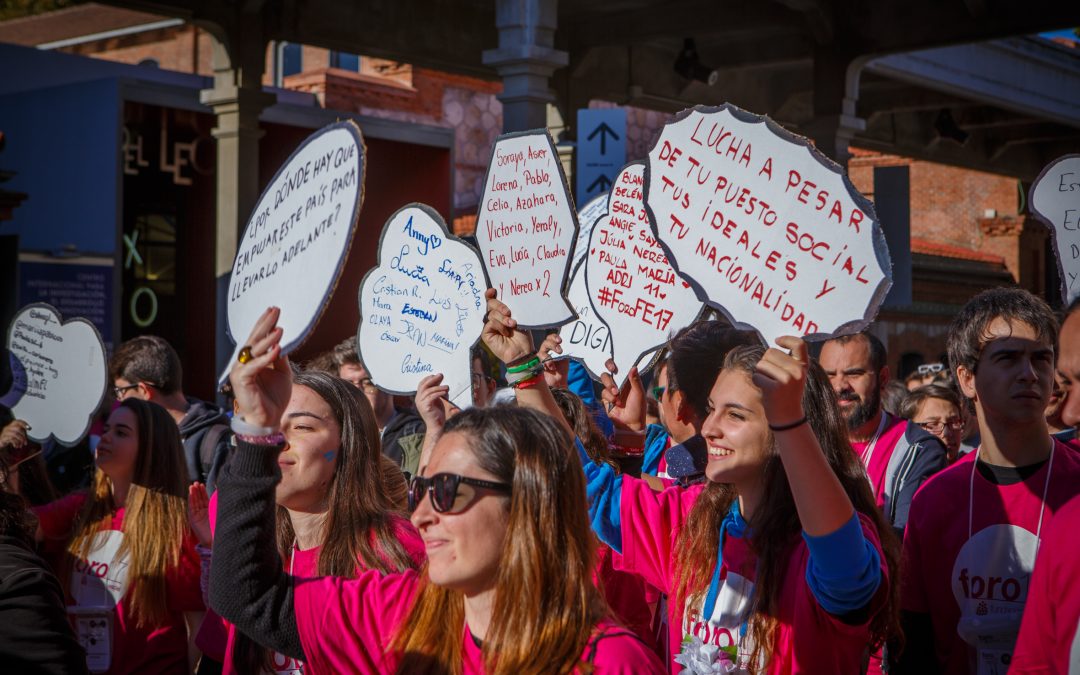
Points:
(1044, 644)
(347, 625)
(211, 513)
(650, 524)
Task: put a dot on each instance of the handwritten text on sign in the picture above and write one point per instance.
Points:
(526, 228)
(767, 227)
(422, 307)
(1055, 198)
(65, 370)
(298, 238)
(632, 286)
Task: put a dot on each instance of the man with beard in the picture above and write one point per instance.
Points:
(898, 456)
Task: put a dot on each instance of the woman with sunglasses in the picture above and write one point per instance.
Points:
(501, 509)
(781, 562)
(336, 514)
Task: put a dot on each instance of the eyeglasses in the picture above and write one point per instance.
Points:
(931, 368)
(955, 424)
(118, 392)
(657, 392)
(367, 385)
(450, 493)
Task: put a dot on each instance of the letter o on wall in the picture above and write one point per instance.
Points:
(141, 321)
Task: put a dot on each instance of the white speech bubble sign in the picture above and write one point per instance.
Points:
(422, 306)
(766, 227)
(526, 228)
(631, 284)
(586, 338)
(1055, 200)
(65, 369)
(587, 217)
(298, 237)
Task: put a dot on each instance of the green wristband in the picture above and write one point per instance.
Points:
(522, 367)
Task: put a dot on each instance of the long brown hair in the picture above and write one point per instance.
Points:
(776, 525)
(155, 513)
(362, 498)
(545, 605)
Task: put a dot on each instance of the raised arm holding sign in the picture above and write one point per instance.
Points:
(767, 228)
(1055, 199)
(526, 228)
(297, 239)
(64, 373)
(421, 307)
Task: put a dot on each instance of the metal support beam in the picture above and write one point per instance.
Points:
(237, 99)
(525, 59)
(836, 92)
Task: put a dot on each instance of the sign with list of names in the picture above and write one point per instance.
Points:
(422, 307)
(631, 284)
(526, 228)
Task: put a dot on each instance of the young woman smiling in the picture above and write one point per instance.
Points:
(336, 514)
(501, 509)
(780, 563)
(130, 567)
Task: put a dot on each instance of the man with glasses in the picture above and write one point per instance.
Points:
(147, 367)
(898, 456)
(401, 428)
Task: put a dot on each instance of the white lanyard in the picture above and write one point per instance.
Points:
(1042, 504)
(868, 451)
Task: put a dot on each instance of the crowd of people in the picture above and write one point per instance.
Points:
(735, 509)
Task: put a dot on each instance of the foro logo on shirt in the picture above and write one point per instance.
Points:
(992, 588)
(101, 579)
(990, 579)
(995, 565)
(732, 606)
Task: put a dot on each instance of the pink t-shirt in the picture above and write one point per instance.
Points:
(1049, 641)
(974, 584)
(305, 564)
(880, 454)
(347, 626)
(810, 640)
(98, 599)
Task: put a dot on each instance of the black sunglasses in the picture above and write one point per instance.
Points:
(446, 493)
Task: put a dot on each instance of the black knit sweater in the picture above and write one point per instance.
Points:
(248, 586)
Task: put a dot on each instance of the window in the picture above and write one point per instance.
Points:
(288, 60)
(345, 61)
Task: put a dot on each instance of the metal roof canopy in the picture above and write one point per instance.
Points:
(835, 70)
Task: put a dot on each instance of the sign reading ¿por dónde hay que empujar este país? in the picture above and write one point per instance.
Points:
(294, 247)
